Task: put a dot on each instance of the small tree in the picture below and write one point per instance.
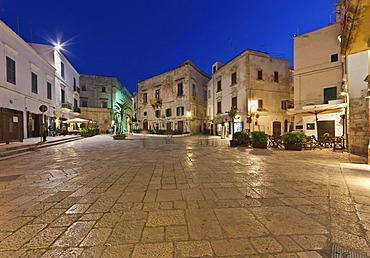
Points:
(232, 114)
(120, 113)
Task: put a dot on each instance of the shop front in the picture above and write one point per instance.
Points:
(11, 125)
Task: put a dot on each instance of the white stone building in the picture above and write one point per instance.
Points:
(258, 86)
(99, 98)
(67, 90)
(174, 100)
(319, 107)
(26, 83)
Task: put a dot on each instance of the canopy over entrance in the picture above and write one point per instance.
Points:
(76, 120)
(318, 109)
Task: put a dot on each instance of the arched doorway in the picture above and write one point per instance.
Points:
(145, 125)
(276, 128)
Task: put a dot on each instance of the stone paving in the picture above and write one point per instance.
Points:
(181, 197)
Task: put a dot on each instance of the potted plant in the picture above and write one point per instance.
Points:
(293, 140)
(242, 138)
(259, 139)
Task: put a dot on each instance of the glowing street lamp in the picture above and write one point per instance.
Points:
(58, 46)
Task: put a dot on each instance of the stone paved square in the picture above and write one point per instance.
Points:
(97, 197)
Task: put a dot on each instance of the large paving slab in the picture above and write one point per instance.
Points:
(103, 198)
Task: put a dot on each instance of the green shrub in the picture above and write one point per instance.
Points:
(294, 137)
(259, 137)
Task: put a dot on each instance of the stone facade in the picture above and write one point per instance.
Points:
(258, 85)
(358, 138)
(318, 105)
(174, 100)
(99, 96)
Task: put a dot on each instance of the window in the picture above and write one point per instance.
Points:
(83, 87)
(214, 69)
(62, 96)
(209, 94)
(48, 90)
(34, 82)
(83, 103)
(219, 87)
(234, 102)
(158, 113)
(260, 104)
(205, 95)
(10, 70)
(104, 104)
(334, 58)
(158, 94)
(75, 103)
(103, 89)
(145, 113)
(233, 78)
(310, 126)
(180, 89)
(168, 112)
(62, 69)
(276, 76)
(179, 111)
(74, 81)
(193, 90)
(145, 97)
(284, 104)
(330, 94)
(259, 75)
(219, 107)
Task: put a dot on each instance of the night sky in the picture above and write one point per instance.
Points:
(137, 39)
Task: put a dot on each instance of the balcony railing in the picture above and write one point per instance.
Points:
(76, 110)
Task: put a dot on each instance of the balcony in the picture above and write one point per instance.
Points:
(67, 105)
(76, 89)
(76, 110)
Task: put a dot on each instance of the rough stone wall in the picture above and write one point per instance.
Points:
(358, 137)
(102, 116)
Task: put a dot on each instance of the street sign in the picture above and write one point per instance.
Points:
(43, 108)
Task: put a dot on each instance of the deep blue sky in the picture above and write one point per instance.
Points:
(137, 39)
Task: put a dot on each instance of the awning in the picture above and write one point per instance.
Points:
(76, 120)
(319, 109)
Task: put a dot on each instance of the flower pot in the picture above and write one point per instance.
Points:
(293, 146)
(260, 145)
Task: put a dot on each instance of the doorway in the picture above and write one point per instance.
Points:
(11, 125)
(276, 129)
(145, 125)
(325, 127)
(180, 126)
(169, 126)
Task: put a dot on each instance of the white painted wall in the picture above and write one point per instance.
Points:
(20, 96)
(358, 69)
(55, 58)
